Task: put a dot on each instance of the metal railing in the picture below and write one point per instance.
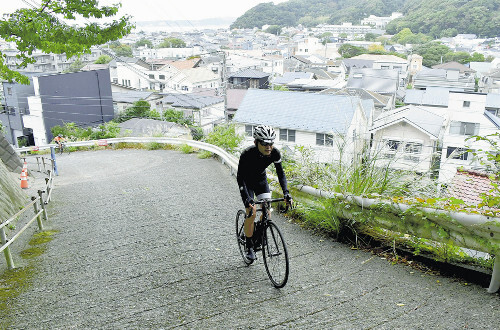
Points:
(38, 203)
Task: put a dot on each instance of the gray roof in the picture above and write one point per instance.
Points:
(291, 76)
(249, 73)
(353, 63)
(130, 97)
(376, 80)
(298, 110)
(435, 96)
(419, 118)
(191, 101)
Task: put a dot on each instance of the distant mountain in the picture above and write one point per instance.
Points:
(435, 17)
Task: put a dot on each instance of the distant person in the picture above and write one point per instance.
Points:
(59, 140)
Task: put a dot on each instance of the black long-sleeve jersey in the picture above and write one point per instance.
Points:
(252, 170)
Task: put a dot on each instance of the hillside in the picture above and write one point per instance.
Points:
(446, 18)
(435, 17)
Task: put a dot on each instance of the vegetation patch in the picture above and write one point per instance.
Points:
(12, 283)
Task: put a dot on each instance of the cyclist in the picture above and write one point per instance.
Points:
(252, 177)
(59, 140)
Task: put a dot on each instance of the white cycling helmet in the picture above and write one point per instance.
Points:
(264, 133)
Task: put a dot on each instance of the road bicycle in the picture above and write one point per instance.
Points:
(271, 241)
(63, 149)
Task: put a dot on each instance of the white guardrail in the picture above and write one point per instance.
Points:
(462, 225)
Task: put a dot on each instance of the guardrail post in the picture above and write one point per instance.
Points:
(38, 163)
(38, 218)
(495, 277)
(6, 252)
(42, 204)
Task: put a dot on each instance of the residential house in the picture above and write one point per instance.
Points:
(249, 79)
(490, 82)
(185, 81)
(348, 64)
(83, 98)
(325, 123)
(382, 81)
(407, 138)
(464, 70)
(205, 111)
(451, 79)
(465, 114)
(13, 106)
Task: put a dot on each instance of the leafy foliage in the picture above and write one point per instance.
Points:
(139, 109)
(73, 132)
(103, 59)
(225, 136)
(447, 18)
(39, 28)
(144, 42)
(172, 43)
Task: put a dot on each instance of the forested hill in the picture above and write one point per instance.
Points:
(434, 17)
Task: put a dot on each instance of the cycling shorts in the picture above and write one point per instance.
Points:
(259, 189)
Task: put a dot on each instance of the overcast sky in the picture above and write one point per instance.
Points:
(144, 10)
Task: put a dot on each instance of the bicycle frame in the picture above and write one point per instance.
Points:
(266, 205)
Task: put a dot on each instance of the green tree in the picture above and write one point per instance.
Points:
(370, 36)
(176, 116)
(274, 29)
(432, 52)
(348, 50)
(172, 43)
(39, 28)
(122, 50)
(144, 42)
(103, 59)
(139, 109)
(75, 66)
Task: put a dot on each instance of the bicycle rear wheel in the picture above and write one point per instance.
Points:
(240, 235)
(275, 255)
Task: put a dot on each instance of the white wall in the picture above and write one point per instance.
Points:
(35, 120)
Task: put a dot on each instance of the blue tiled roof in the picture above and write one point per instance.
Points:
(296, 110)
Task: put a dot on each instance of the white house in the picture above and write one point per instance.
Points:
(452, 117)
(406, 138)
(324, 123)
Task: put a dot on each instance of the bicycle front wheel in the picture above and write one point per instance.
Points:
(240, 235)
(275, 255)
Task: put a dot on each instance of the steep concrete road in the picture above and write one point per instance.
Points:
(146, 240)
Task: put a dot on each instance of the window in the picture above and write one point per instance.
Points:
(151, 76)
(287, 135)
(413, 148)
(464, 128)
(466, 104)
(324, 139)
(249, 130)
(392, 145)
(458, 153)
(162, 77)
(384, 67)
(9, 90)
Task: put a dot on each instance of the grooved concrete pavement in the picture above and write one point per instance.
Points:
(146, 240)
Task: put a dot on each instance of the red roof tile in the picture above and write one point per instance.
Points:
(468, 185)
